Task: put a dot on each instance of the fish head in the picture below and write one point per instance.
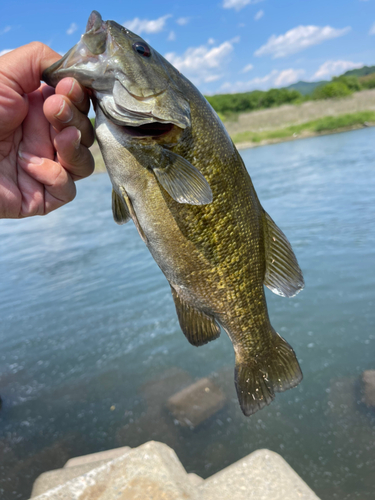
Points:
(130, 81)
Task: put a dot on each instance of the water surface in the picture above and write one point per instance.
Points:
(90, 347)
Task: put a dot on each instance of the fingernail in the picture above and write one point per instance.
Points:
(30, 158)
(65, 114)
(77, 142)
(82, 95)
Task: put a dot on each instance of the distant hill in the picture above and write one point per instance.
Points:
(366, 70)
(306, 88)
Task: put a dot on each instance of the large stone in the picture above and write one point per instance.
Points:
(73, 468)
(150, 472)
(97, 457)
(368, 378)
(262, 475)
(196, 403)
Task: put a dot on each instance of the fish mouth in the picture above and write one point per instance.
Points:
(81, 61)
(152, 130)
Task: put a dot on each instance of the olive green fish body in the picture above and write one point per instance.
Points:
(178, 176)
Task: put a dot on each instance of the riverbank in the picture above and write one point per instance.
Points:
(291, 122)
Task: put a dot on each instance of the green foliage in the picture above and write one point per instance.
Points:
(365, 70)
(368, 82)
(351, 82)
(334, 89)
(227, 104)
(325, 124)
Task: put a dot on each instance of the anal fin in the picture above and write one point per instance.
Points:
(198, 327)
(283, 275)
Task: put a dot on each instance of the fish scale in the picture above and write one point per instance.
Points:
(176, 173)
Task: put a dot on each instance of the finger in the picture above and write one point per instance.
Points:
(45, 185)
(61, 113)
(70, 88)
(72, 155)
(22, 68)
(32, 194)
(36, 129)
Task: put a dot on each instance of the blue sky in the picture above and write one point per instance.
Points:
(221, 45)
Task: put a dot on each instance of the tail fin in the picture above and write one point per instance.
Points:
(258, 379)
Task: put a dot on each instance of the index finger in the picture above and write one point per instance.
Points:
(22, 68)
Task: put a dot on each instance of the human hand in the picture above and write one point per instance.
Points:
(44, 135)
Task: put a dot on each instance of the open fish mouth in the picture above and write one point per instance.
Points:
(124, 78)
(152, 129)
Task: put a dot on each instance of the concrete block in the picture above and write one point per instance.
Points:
(73, 468)
(58, 477)
(262, 475)
(150, 472)
(368, 379)
(195, 479)
(196, 403)
(97, 457)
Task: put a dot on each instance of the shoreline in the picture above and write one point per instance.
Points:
(303, 135)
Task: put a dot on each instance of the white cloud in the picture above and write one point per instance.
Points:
(247, 68)
(5, 51)
(139, 26)
(72, 28)
(255, 83)
(273, 79)
(334, 68)
(288, 76)
(172, 36)
(372, 30)
(298, 39)
(238, 4)
(201, 64)
(5, 30)
(210, 41)
(259, 15)
(183, 20)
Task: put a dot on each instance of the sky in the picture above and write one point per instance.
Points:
(222, 46)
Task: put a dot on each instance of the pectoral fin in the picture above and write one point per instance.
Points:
(120, 210)
(198, 327)
(283, 275)
(182, 181)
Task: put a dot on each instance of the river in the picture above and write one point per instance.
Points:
(90, 346)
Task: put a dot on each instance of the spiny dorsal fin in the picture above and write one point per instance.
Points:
(198, 327)
(182, 181)
(283, 274)
(120, 210)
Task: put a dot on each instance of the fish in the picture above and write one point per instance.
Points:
(178, 176)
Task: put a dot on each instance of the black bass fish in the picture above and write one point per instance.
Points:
(176, 173)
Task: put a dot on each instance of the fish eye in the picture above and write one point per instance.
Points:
(142, 48)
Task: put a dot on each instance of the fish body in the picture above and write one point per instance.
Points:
(176, 173)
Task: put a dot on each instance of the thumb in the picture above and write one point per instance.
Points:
(22, 68)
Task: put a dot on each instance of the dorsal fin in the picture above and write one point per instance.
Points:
(198, 327)
(283, 275)
(120, 211)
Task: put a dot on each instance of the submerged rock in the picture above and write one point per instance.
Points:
(196, 403)
(368, 379)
